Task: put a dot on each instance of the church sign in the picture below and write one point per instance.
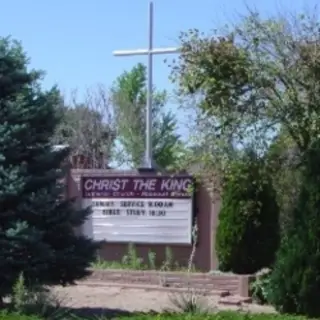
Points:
(152, 209)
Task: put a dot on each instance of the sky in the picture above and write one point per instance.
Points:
(73, 40)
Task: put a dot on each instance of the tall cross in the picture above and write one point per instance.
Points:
(148, 159)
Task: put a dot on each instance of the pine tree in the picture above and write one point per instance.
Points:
(295, 280)
(36, 221)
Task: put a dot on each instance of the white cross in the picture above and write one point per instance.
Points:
(148, 161)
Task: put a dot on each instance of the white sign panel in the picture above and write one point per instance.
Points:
(162, 215)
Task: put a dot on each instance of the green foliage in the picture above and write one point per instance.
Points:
(152, 260)
(129, 99)
(37, 223)
(37, 300)
(248, 231)
(248, 82)
(224, 315)
(190, 302)
(5, 315)
(283, 159)
(168, 263)
(257, 82)
(217, 66)
(259, 288)
(131, 260)
(295, 281)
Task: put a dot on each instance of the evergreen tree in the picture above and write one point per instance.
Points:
(295, 280)
(36, 222)
(248, 231)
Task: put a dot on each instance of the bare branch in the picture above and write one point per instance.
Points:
(88, 127)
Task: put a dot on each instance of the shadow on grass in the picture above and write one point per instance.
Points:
(79, 313)
(106, 312)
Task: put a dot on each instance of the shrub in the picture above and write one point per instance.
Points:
(192, 302)
(37, 300)
(295, 281)
(152, 259)
(248, 231)
(168, 263)
(259, 288)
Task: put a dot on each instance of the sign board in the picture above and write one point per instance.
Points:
(153, 209)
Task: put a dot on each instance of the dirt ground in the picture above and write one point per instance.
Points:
(119, 300)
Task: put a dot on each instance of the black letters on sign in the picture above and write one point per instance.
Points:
(111, 212)
(157, 213)
(102, 203)
(160, 204)
(130, 204)
(135, 208)
(131, 212)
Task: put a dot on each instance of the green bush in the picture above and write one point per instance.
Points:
(259, 288)
(295, 281)
(38, 301)
(248, 231)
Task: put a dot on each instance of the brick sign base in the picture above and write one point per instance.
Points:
(223, 283)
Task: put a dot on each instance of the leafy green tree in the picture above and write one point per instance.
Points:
(248, 232)
(37, 223)
(253, 82)
(283, 159)
(249, 82)
(129, 100)
(295, 281)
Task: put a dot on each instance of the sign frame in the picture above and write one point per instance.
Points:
(193, 215)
